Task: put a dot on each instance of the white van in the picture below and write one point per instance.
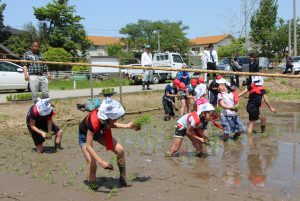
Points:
(166, 59)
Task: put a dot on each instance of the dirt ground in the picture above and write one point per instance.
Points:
(256, 167)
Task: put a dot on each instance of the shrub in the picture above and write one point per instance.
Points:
(58, 55)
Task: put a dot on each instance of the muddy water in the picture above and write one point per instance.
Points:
(267, 162)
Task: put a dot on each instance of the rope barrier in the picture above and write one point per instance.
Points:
(157, 68)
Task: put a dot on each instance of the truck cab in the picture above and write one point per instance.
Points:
(166, 59)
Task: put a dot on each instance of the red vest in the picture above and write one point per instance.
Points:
(256, 89)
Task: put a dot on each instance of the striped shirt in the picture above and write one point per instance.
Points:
(35, 68)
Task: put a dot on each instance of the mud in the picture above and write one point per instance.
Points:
(256, 167)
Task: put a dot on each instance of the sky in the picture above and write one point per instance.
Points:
(105, 18)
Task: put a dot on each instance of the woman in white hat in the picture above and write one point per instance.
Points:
(193, 125)
(40, 124)
(96, 126)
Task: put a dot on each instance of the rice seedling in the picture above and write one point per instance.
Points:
(137, 124)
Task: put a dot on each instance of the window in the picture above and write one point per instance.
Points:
(8, 67)
(177, 58)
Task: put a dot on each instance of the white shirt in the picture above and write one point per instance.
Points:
(190, 119)
(228, 99)
(214, 54)
(146, 59)
(205, 58)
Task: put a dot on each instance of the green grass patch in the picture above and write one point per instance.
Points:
(288, 95)
(84, 84)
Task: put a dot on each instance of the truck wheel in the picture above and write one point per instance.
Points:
(155, 79)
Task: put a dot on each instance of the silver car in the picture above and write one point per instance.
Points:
(296, 65)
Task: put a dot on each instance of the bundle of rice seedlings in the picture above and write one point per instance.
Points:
(137, 124)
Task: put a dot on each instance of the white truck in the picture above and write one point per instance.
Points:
(166, 59)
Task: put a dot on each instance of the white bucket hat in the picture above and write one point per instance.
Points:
(110, 109)
(257, 80)
(43, 106)
(200, 90)
(205, 108)
(221, 81)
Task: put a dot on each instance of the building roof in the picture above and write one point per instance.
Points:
(103, 40)
(8, 51)
(209, 39)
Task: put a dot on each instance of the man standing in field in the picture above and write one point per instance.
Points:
(146, 60)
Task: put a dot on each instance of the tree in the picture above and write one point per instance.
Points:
(280, 37)
(172, 35)
(61, 27)
(117, 51)
(236, 48)
(20, 43)
(4, 34)
(263, 24)
(58, 55)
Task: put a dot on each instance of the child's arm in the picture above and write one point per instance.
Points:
(119, 125)
(225, 106)
(90, 149)
(171, 95)
(243, 92)
(191, 133)
(266, 99)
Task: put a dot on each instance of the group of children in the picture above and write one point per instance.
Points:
(223, 95)
(96, 126)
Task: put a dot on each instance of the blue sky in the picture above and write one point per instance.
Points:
(105, 18)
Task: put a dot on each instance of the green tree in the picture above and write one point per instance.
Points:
(263, 24)
(61, 27)
(116, 50)
(20, 43)
(58, 55)
(280, 37)
(236, 48)
(3, 32)
(172, 35)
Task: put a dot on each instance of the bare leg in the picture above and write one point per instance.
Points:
(175, 147)
(39, 148)
(250, 127)
(183, 106)
(57, 139)
(263, 121)
(91, 165)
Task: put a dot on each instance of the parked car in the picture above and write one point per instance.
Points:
(12, 77)
(244, 61)
(296, 65)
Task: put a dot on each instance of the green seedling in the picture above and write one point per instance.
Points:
(137, 124)
(112, 192)
(50, 134)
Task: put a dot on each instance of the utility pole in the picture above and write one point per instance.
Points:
(290, 37)
(295, 30)
(158, 41)
(246, 27)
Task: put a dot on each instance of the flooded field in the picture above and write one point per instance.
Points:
(256, 167)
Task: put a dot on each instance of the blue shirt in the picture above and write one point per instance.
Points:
(180, 76)
(169, 89)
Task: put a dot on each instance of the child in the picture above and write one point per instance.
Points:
(192, 125)
(96, 126)
(200, 92)
(168, 99)
(183, 97)
(191, 92)
(40, 124)
(256, 93)
(230, 120)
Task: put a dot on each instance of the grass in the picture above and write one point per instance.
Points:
(84, 84)
(287, 95)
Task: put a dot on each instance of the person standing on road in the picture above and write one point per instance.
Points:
(212, 61)
(253, 66)
(288, 62)
(146, 60)
(35, 72)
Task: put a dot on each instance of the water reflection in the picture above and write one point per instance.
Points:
(259, 160)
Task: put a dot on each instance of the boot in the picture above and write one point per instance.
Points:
(263, 128)
(57, 146)
(122, 179)
(143, 85)
(148, 85)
